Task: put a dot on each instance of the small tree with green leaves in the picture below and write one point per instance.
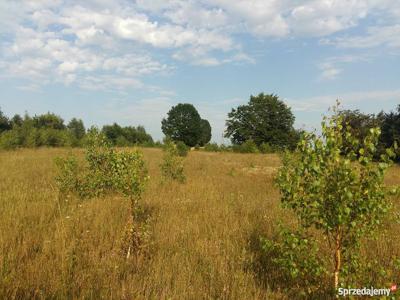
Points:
(341, 193)
(172, 165)
(106, 171)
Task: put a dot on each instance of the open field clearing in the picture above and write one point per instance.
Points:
(204, 232)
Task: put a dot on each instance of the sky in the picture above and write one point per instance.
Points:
(129, 61)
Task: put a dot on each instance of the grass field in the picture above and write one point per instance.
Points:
(203, 231)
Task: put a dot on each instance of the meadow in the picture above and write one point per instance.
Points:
(204, 233)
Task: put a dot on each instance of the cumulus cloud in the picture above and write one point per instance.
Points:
(67, 41)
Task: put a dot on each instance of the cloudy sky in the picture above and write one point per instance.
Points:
(129, 61)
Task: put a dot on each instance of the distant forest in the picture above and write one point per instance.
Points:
(50, 130)
(264, 124)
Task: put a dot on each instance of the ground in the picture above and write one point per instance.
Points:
(202, 232)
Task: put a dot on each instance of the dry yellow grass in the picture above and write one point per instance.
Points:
(202, 231)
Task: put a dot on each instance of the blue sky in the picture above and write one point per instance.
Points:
(130, 61)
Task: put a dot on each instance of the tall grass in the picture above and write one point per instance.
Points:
(204, 232)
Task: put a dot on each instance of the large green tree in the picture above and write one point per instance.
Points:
(184, 123)
(265, 119)
(205, 132)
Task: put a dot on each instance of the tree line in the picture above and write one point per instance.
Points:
(264, 124)
(50, 130)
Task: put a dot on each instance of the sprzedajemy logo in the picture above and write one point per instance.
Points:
(370, 291)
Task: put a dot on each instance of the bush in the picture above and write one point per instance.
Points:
(342, 195)
(121, 141)
(172, 165)
(182, 149)
(106, 171)
(247, 147)
(213, 147)
(296, 256)
(10, 140)
(68, 178)
(266, 148)
(149, 144)
(53, 137)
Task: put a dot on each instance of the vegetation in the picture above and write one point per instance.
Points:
(49, 130)
(201, 239)
(359, 124)
(205, 136)
(248, 146)
(205, 233)
(106, 172)
(342, 195)
(172, 165)
(265, 119)
(77, 131)
(185, 124)
(390, 128)
(126, 136)
(181, 148)
(4, 123)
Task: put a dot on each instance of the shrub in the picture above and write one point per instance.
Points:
(247, 147)
(68, 176)
(172, 165)
(10, 140)
(343, 196)
(301, 269)
(52, 137)
(121, 141)
(266, 148)
(182, 149)
(213, 147)
(106, 171)
(224, 148)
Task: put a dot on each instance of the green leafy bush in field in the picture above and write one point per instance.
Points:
(172, 165)
(10, 140)
(106, 171)
(267, 148)
(297, 258)
(341, 195)
(68, 177)
(53, 137)
(247, 147)
(212, 147)
(182, 149)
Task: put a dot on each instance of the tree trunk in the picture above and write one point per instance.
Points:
(338, 258)
(133, 206)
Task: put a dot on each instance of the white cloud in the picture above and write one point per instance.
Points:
(376, 36)
(109, 83)
(329, 71)
(65, 41)
(331, 67)
(320, 18)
